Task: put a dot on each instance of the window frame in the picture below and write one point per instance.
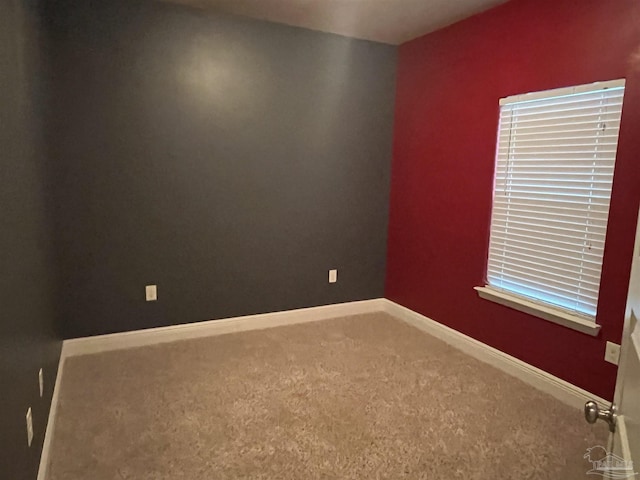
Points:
(547, 311)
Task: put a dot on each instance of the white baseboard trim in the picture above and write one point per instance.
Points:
(43, 468)
(562, 390)
(151, 336)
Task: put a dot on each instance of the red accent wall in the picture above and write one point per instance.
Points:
(448, 87)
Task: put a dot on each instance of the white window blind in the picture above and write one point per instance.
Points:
(554, 170)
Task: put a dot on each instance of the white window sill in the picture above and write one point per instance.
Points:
(568, 320)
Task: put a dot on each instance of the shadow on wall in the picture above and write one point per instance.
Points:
(27, 338)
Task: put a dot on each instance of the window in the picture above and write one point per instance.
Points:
(554, 170)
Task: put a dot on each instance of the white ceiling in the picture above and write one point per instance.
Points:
(388, 21)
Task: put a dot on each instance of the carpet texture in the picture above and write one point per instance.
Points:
(362, 397)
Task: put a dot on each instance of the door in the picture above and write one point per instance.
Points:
(626, 438)
(624, 417)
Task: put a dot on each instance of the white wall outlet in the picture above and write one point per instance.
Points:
(151, 293)
(333, 276)
(29, 427)
(612, 353)
(41, 382)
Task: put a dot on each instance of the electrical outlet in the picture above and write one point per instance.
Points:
(612, 353)
(151, 293)
(333, 276)
(41, 382)
(29, 427)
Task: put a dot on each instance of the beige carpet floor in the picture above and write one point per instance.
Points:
(362, 397)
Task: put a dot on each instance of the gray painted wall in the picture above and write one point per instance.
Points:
(229, 161)
(27, 270)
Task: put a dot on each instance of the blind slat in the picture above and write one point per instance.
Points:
(551, 216)
(552, 286)
(554, 254)
(578, 207)
(548, 228)
(594, 104)
(575, 99)
(570, 243)
(564, 182)
(558, 171)
(536, 193)
(523, 200)
(556, 127)
(562, 224)
(544, 265)
(568, 157)
(595, 117)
